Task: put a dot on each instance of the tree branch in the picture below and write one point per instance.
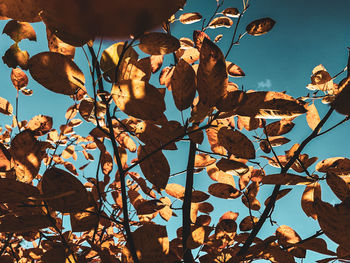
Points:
(186, 208)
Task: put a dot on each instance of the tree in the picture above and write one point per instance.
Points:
(113, 210)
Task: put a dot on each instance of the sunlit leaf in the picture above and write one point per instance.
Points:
(14, 57)
(5, 107)
(139, 99)
(27, 153)
(311, 192)
(5, 159)
(57, 73)
(312, 116)
(234, 70)
(190, 18)
(230, 12)
(40, 125)
(222, 21)
(248, 223)
(339, 185)
(19, 30)
(260, 26)
(203, 160)
(279, 127)
(198, 38)
(156, 43)
(57, 45)
(175, 190)
(19, 78)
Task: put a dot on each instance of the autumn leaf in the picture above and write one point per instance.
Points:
(19, 30)
(234, 70)
(40, 125)
(57, 73)
(222, 21)
(190, 18)
(286, 179)
(230, 12)
(27, 11)
(311, 192)
(18, 224)
(248, 223)
(212, 75)
(339, 185)
(5, 107)
(19, 78)
(14, 57)
(224, 191)
(57, 45)
(56, 182)
(155, 168)
(260, 26)
(139, 99)
(279, 127)
(156, 43)
(312, 116)
(236, 143)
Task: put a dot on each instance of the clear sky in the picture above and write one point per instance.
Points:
(306, 34)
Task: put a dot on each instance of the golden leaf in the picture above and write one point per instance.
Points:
(312, 116)
(25, 11)
(279, 127)
(5, 107)
(203, 160)
(40, 125)
(19, 30)
(57, 45)
(230, 12)
(19, 78)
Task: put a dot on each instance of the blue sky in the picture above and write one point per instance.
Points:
(306, 34)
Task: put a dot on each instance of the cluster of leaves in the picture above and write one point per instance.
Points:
(33, 205)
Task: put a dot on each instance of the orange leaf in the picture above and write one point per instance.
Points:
(190, 18)
(40, 125)
(312, 116)
(157, 43)
(260, 26)
(19, 30)
(222, 21)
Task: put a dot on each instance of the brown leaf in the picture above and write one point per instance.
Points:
(286, 179)
(198, 38)
(236, 143)
(165, 76)
(334, 220)
(197, 237)
(17, 224)
(279, 127)
(75, 22)
(248, 123)
(19, 78)
(40, 125)
(106, 163)
(152, 243)
(224, 191)
(222, 21)
(5, 159)
(316, 244)
(230, 12)
(183, 85)
(87, 220)
(203, 160)
(231, 101)
(205, 207)
(199, 196)
(312, 116)
(19, 30)
(27, 153)
(57, 45)
(234, 70)
(218, 38)
(157, 43)
(190, 18)
(155, 168)
(190, 55)
(212, 76)
(260, 26)
(57, 73)
(248, 223)
(270, 104)
(5, 107)
(26, 11)
(14, 57)
(196, 137)
(12, 191)
(339, 185)
(139, 99)
(321, 80)
(56, 181)
(232, 167)
(337, 165)
(340, 103)
(311, 192)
